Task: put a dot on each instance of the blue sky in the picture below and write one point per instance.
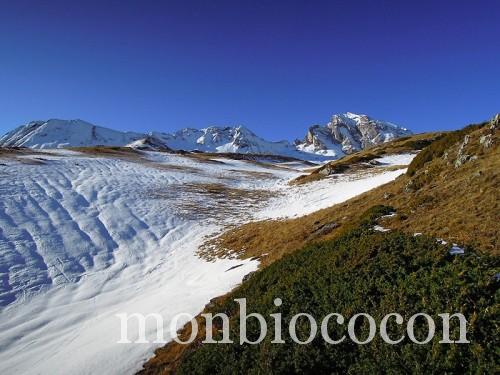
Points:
(274, 66)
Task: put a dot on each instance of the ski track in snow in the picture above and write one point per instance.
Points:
(84, 238)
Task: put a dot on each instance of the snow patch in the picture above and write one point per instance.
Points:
(456, 250)
(305, 199)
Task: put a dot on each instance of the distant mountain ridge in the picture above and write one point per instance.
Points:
(344, 134)
(236, 139)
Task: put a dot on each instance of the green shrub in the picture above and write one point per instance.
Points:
(363, 271)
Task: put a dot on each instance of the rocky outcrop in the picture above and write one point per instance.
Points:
(348, 133)
(469, 148)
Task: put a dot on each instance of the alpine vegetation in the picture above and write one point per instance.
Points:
(326, 324)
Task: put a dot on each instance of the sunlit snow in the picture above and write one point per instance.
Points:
(83, 238)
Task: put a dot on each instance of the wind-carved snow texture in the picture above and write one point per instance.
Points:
(58, 222)
(83, 238)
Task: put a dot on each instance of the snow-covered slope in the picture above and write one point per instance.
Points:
(347, 133)
(344, 134)
(84, 237)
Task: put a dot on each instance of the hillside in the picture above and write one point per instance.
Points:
(87, 232)
(448, 196)
(387, 272)
(429, 199)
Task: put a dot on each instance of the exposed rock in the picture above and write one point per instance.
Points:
(495, 123)
(388, 195)
(325, 229)
(486, 140)
(410, 186)
(326, 171)
(462, 157)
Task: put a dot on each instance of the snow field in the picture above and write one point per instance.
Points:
(84, 238)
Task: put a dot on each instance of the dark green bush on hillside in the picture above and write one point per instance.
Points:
(363, 271)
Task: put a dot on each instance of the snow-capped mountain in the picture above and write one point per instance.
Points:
(344, 134)
(56, 133)
(347, 133)
(224, 139)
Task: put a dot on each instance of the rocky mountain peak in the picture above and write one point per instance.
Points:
(349, 132)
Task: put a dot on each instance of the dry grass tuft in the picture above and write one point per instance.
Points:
(19, 154)
(225, 201)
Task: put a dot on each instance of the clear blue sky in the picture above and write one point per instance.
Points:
(274, 66)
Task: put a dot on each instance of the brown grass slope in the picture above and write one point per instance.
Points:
(22, 155)
(454, 196)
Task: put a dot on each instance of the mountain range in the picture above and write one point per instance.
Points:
(343, 134)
